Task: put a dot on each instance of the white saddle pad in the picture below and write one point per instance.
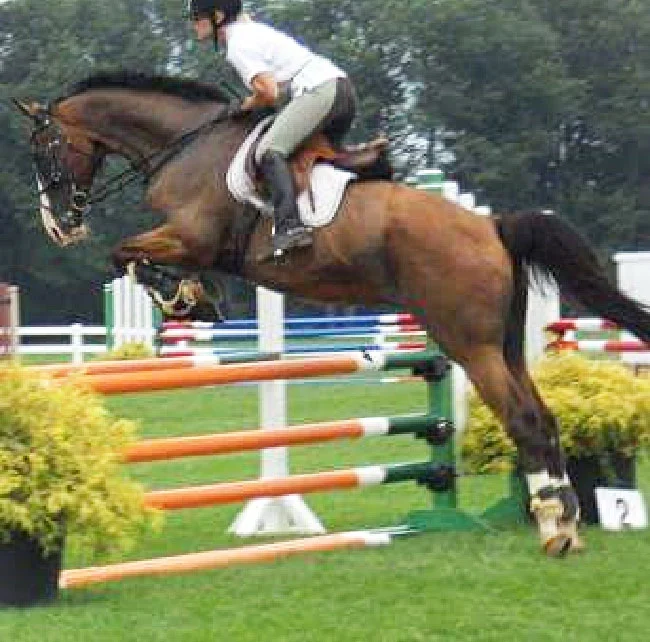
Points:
(327, 186)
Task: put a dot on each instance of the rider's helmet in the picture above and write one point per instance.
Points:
(207, 8)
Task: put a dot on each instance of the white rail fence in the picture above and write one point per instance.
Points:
(74, 340)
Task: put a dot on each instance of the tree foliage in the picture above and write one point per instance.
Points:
(530, 104)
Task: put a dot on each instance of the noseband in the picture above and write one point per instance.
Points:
(47, 143)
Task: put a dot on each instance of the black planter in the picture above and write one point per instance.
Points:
(27, 575)
(612, 470)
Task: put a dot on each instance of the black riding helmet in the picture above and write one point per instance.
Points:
(207, 8)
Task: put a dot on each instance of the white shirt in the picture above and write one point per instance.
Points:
(254, 48)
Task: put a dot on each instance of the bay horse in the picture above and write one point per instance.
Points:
(464, 276)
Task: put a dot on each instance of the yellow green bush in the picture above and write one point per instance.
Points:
(60, 466)
(130, 350)
(601, 407)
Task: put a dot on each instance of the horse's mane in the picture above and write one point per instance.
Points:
(191, 90)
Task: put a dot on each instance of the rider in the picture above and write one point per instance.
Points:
(309, 92)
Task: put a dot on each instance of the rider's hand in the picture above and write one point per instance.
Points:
(236, 108)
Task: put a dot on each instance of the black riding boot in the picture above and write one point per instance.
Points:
(289, 232)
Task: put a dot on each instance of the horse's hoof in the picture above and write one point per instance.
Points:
(206, 311)
(557, 546)
(548, 512)
(570, 530)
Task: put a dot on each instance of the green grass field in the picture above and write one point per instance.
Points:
(453, 586)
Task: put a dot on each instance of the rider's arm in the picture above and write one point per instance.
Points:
(266, 92)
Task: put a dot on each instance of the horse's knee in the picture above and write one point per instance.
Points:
(121, 256)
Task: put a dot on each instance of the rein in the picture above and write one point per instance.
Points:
(148, 165)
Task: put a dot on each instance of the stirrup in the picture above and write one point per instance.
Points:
(294, 238)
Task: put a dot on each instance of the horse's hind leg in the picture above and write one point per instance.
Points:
(160, 261)
(555, 462)
(521, 412)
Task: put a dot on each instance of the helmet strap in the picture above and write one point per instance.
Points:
(216, 25)
(218, 18)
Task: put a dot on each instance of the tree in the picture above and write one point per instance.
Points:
(603, 168)
(44, 48)
(529, 103)
(542, 105)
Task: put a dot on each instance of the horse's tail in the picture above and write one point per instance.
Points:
(554, 248)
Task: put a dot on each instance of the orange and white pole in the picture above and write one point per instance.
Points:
(221, 558)
(146, 365)
(221, 443)
(116, 383)
(231, 492)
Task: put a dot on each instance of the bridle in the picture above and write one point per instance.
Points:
(51, 168)
(55, 173)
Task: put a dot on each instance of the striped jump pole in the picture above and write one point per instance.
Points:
(587, 324)
(207, 560)
(116, 383)
(297, 322)
(232, 492)
(301, 350)
(598, 346)
(628, 349)
(222, 443)
(181, 362)
(176, 335)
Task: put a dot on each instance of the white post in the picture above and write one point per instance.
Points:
(133, 314)
(543, 308)
(77, 343)
(14, 319)
(118, 313)
(274, 515)
(633, 274)
(9, 321)
(148, 323)
(273, 394)
(127, 311)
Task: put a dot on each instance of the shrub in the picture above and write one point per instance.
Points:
(600, 405)
(60, 466)
(130, 350)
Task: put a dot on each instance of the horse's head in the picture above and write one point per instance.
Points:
(146, 120)
(66, 161)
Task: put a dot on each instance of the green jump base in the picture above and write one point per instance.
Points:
(445, 520)
(506, 512)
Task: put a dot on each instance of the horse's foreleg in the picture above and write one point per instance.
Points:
(170, 272)
(160, 246)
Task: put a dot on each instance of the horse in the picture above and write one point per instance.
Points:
(465, 277)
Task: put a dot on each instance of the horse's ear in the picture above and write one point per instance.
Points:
(33, 110)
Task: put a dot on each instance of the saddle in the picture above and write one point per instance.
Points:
(321, 174)
(367, 160)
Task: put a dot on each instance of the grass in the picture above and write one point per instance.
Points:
(453, 586)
